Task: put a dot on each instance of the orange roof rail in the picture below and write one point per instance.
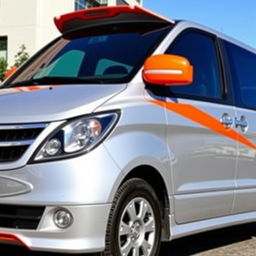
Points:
(89, 17)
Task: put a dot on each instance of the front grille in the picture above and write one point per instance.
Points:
(20, 217)
(22, 134)
(15, 140)
(10, 154)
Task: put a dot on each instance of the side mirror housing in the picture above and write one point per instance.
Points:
(169, 70)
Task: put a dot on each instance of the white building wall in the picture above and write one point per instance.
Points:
(17, 23)
(30, 22)
(46, 11)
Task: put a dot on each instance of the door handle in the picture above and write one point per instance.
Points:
(226, 120)
(242, 123)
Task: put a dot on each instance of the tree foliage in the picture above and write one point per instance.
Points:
(21, 56)
(3, 68)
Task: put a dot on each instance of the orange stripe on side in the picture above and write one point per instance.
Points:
(201, 117)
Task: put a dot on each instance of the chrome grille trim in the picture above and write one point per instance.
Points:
(15, 140)
(23, 126)
(15, 143)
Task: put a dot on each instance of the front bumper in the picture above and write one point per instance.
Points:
(85, 235)
(84, 185)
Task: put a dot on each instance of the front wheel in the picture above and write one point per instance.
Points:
(134, 227)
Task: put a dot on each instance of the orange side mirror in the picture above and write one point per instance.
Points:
(169, 70)
(10, 72)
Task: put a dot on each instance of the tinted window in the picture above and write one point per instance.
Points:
(106, 54)
(243, 71)
(200, 50)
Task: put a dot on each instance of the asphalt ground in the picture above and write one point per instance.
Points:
(234, 241)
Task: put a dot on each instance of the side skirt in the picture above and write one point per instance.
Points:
(181, 230)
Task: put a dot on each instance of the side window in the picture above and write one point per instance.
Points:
(200, 50)
(243, 72)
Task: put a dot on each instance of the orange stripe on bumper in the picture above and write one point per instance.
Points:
(10, 238)
(198, 116)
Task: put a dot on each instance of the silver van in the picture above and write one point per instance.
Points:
(127, 130)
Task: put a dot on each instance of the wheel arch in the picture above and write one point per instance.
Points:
(156, 181)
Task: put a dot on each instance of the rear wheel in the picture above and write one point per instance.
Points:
(134, 227)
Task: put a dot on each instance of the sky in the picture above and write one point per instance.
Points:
(235, 18)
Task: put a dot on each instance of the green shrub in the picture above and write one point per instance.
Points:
(21, 56)
(3, 68)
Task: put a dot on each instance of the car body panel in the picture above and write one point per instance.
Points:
(204, 170)
(86, 235)
(245, 198)
(42, 106)
(138, 140)
(76, 181)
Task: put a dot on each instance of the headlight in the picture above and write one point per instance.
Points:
(76, 137)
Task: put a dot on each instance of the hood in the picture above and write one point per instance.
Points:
(51, 103)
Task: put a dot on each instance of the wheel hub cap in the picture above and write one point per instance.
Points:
(137, 229)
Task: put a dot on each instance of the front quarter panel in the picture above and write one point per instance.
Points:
(140, 136)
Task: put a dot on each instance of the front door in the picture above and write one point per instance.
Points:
(201, 138)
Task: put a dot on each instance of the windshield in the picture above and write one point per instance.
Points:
(106, 54)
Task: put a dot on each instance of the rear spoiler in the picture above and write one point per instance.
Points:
(83, 19)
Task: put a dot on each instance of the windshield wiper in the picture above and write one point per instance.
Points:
(47, 80)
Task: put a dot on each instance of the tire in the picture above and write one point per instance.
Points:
(134, 226)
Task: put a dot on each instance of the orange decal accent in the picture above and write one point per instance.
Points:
(4, 237)
(198, 116)
(17, 89)
(10, 72)
(24, 89)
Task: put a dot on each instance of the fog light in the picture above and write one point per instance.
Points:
(52, 147)
(63, 219)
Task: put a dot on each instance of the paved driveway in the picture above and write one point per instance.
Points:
(236, 241)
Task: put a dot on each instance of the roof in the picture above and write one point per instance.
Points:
(82, 19)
